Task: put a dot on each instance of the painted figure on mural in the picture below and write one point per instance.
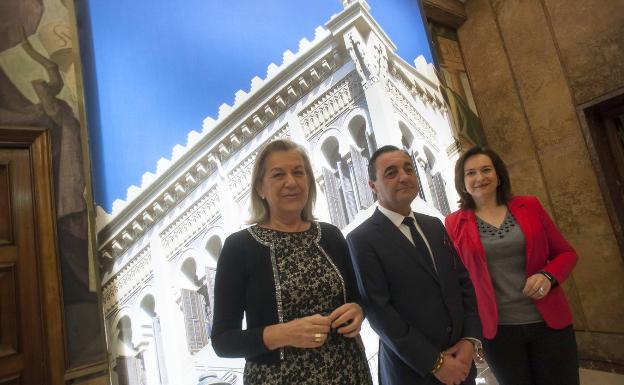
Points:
(21, 21)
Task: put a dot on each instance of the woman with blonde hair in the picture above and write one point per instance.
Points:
(293, 280)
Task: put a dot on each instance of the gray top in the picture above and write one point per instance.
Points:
(505, 252)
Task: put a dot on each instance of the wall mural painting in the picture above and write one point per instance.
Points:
(38, 87)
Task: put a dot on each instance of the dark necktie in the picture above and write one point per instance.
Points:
(419, 242)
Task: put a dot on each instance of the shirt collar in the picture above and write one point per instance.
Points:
(394, 217)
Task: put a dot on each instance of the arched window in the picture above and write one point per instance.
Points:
(407, 139)
(129, 364)
(359, 162)
(155, 348)
(436, 184)
(339, 188)
(213, 248)
(194, 300)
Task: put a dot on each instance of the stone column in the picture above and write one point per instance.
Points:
(383, 118)
(173, 336)
(227, 204)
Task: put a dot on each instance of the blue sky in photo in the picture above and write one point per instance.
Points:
(160, 67)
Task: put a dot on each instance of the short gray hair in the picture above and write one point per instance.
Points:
(259, 208)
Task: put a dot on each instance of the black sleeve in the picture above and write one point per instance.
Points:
(472, 323)
(353, 294)
(228, 337)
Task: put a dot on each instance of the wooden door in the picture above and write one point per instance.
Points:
(22, 348)
(32, 350)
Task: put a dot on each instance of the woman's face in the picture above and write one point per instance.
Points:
(480, 177)
(285, 184)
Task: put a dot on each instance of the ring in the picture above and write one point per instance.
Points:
(317, 337)
(540, 291)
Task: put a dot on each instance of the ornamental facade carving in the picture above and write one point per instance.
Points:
(376, 58)
(330, 105)
(240, 177)
(127, 281)
(191, 221)
(407, 109)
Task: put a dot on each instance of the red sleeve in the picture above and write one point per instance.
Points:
(562, 256)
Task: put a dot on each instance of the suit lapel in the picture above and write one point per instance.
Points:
(395, 236)
(434, 242)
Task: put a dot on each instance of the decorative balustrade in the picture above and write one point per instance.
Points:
(331, 104)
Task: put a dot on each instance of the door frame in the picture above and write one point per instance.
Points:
(592, 117)
(37, 141)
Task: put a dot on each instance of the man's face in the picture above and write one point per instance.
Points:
(396, 185)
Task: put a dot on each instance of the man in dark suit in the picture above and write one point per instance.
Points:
(417, 294)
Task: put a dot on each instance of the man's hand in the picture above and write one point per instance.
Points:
(348, 319)
(464, 351)
(453, 371)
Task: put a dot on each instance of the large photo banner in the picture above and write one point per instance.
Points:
(180, 99)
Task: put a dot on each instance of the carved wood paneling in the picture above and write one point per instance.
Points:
(21, 319)
(6, 220)
(13, 380)
(8, 311)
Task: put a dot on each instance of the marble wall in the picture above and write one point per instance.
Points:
(532, 64)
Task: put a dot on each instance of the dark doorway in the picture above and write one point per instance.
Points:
(605, 126)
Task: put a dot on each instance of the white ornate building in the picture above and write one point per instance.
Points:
(341, 96)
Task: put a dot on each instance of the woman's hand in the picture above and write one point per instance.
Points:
(306, 332)
(537, 286)
(348, 319)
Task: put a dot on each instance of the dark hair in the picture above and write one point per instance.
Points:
(259, 208)
(381, 150)
(503, 190)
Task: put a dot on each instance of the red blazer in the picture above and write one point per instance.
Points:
(546, 249)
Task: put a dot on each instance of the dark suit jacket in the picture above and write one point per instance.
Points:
(416, 311)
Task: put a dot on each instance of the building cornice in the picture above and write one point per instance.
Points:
(195, 165)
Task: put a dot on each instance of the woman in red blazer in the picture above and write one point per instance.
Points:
(517, 259)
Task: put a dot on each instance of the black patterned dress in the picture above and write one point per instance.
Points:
(307, 283)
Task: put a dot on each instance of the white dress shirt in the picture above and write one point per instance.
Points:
(397, 220)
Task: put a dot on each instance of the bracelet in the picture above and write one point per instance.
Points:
(438, 364)
(548, 275)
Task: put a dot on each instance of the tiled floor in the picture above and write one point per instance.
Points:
(588, 377)
(595, 377)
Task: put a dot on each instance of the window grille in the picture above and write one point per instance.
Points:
(160, 353)
(194, 308)
(360, 177)
(334, 199)
(130, 370)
